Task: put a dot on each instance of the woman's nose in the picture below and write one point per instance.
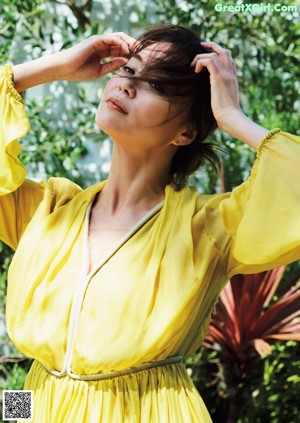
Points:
(127, 87)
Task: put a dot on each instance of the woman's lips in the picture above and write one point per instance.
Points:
(115, 104)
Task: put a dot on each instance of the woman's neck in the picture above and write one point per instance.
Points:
(135, 182)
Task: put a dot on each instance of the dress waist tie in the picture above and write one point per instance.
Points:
(117, 373)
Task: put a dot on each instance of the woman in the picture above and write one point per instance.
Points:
(112, 287)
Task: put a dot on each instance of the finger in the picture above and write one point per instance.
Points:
(207, 63)
(198, 67)
(106, 42)
(221, 52)
(115, 51)
(214, 46)
(110, 51)
(215, 58)
(129, 40)
(112, 65)
(124, 38)
(203, 56)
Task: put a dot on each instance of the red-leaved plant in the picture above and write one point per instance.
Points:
(244, 324)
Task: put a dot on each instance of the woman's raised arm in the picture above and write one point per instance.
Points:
(81, 62)
(19, 198)
(225, 95)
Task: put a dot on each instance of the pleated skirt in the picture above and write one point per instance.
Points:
(163, 394)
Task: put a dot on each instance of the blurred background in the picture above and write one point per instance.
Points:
(64, 141)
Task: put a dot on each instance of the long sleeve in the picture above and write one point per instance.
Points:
(262, 215)
(19, 197)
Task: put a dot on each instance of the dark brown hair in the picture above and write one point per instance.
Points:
(173, 77)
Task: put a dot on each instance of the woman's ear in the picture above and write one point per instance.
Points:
(186, 137)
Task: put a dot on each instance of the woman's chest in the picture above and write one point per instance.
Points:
(102, 242)
(106, 234)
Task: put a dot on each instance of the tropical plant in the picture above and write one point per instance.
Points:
(244, 325)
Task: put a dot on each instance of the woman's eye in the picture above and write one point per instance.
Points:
(156, 87)
(128, 69)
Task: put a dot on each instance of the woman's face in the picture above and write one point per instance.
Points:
(134, 113)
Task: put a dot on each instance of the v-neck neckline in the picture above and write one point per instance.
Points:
(86, 243)
(87, 275)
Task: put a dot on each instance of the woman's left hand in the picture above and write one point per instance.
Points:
(224, 86)
(225, 95)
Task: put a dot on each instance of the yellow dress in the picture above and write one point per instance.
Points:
(150, 299)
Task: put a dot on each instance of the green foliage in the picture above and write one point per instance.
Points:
(19, 16)
(272, 392)
(275, 397)
(16, 376)
(205, 372)
(56, 152)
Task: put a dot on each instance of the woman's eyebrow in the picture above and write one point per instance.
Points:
(137, 56)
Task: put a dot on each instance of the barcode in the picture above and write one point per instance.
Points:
(17, 405)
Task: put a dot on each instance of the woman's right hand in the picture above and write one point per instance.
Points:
(81, 62)
(84, 61)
